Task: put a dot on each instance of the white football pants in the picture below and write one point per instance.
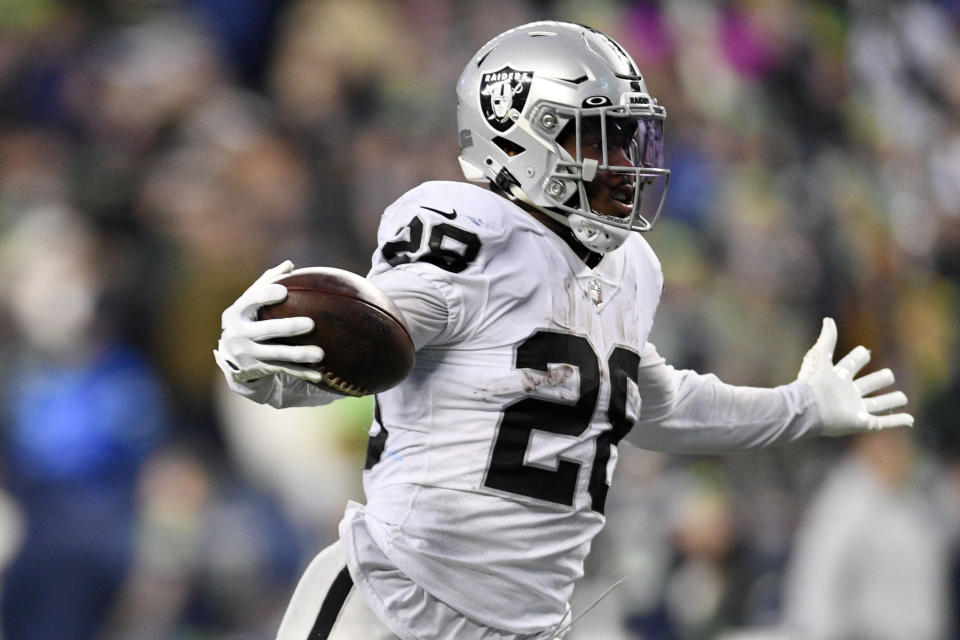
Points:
(326, 606)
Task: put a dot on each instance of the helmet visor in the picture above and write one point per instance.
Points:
(649, 143)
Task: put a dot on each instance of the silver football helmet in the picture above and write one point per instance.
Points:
(530, 88)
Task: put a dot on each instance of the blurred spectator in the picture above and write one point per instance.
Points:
(81, 413)
(229, 194)
(173, 494)
(872, 558)
(214, 556)
(674, 537)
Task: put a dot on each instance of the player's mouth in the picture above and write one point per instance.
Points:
(621, 201)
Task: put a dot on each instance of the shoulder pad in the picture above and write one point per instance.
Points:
(465, 205)
(444, 224)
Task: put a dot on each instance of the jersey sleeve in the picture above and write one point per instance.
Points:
(422, 302)
(682, 411)
(280, 390)
(432, 247)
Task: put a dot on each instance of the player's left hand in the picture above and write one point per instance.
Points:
(842, 400)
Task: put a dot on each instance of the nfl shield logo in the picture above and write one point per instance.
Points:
(502, 96)
(595, 294)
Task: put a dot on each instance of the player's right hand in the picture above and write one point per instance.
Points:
(242, 352)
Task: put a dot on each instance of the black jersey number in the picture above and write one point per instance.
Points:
(448, 247)
(507, 470)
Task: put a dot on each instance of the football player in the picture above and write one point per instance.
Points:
(530, 303)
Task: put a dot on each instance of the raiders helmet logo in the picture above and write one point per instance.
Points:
(502, 96)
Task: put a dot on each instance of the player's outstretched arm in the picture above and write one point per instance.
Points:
(683, 411)
(844, 402)
(268, 373)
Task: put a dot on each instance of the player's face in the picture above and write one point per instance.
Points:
(609, 193)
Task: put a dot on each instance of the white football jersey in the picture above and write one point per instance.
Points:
(489, 465)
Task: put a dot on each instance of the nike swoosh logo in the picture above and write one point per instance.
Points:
(448, 216)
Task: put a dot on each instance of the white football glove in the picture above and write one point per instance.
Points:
(841, 399)
(241, 353)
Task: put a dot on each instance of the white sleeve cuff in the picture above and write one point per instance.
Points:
(278, 389)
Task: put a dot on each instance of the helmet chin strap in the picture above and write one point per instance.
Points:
(595, 236)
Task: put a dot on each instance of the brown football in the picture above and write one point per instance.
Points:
(367, 347)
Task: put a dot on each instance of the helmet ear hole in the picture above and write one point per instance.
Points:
(509, 147)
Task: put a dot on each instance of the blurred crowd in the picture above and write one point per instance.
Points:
(157, 155)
